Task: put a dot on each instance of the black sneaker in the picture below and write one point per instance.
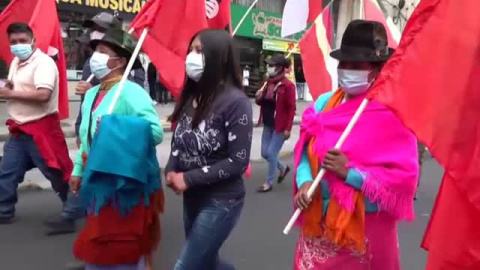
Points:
(59, 225)
(6, 221)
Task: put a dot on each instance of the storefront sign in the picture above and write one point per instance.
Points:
(259, 24)
(280, 46)
(123, 6)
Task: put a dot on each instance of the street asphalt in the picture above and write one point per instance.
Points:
(257, 242)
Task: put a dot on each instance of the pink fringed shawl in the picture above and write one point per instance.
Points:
(379, 147)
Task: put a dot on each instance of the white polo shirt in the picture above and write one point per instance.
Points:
(39, 71)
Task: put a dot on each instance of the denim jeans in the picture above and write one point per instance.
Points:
(208, 223)
(20, 155)
(272, 143)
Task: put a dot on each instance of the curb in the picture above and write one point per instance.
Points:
(44, 185)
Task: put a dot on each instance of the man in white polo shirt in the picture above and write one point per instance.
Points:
(36, 138)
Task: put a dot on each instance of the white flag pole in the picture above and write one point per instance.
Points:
(90, 78)
(128, 69)
(320, 175)
(244, 17)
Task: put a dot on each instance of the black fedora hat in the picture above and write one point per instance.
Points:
(364, 41)
(120, 41)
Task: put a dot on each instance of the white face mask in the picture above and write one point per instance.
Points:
(99, 65)
(271, 71)
(96, 35)
(354, 82)
(194, 66)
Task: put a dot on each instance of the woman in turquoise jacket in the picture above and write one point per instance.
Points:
(120, 183)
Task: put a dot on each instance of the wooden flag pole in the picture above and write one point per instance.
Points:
(128, 69)
(244, 17)
(320, 175)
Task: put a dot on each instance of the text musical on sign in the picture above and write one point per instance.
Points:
(127, 6)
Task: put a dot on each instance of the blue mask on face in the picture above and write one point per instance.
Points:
(99, 65)
(354, 82)
(22, 51)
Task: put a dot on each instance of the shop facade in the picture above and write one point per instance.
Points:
(72, 14)
(258, 38)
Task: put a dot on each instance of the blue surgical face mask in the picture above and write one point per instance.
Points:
(22, 51)
(354, 82)
(99, 65)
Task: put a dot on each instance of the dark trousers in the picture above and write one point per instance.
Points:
(20, 155)
(163, 93)
(208, 224)
(154, 92)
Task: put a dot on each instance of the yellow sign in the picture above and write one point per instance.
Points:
(128, 6)
(280, 46)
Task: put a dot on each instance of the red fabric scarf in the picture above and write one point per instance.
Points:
(272, 85)
(50, 141)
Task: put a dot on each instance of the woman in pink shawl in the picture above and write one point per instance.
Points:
(351, 221)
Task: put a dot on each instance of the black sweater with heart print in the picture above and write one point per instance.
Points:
(214, 156)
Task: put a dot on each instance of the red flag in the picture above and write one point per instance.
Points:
(315, 51)
(171, 24)
(218, 13)
(314, 9)
(42, 16)
(432, 83)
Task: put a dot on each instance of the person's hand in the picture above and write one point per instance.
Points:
(82, 88)
(301, 199)
(335, 161)
(176, 182)
(287, 134)
(74, 184)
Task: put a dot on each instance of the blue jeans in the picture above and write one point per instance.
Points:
(208, 223)
(20, 155)
(272, 143)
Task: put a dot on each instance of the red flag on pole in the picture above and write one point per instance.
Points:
(218, 13)
(171, 25)
(42, 16)
(432, 83)
(315, 51)
(314, 9)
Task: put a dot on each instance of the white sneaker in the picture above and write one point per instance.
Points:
(154, 103)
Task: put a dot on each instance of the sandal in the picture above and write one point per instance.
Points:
(264, 188)
(282, 176)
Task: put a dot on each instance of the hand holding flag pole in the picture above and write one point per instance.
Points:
(320, 175)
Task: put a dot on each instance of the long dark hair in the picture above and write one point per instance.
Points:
(221, 69)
